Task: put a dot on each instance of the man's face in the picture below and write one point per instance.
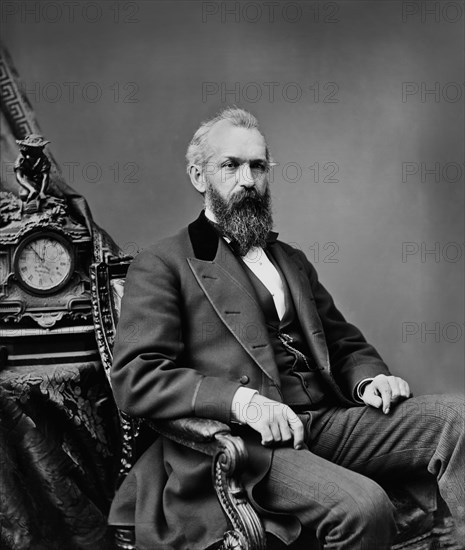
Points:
(235, 183)
(237, 161)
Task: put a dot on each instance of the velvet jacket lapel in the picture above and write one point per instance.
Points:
(231, 294)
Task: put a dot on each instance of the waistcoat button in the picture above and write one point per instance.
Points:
(244, 379)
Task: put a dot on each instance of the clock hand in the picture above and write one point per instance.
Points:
(36, 253)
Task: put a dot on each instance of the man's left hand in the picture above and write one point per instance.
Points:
(384, 390)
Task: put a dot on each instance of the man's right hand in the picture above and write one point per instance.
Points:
(275, 422)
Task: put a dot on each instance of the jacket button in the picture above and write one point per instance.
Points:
(244, 379)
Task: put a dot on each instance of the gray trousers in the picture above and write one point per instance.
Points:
(331, 486)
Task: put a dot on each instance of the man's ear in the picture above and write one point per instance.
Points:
(197, 177)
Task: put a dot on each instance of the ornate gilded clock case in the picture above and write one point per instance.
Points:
(44, 282)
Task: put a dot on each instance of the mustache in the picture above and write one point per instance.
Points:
(247, 196)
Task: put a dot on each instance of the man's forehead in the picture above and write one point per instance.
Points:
(225, 139)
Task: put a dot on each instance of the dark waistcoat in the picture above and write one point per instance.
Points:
(301, 383)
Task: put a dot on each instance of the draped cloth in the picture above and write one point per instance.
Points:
(57, 459)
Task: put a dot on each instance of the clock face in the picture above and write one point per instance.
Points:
(44, 263)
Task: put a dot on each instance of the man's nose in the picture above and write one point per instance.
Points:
(244, 176)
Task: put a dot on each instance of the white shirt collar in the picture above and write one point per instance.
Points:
(209, 214)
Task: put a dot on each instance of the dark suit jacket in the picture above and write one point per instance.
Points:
(190, 331)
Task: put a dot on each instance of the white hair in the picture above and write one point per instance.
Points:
(198, 152)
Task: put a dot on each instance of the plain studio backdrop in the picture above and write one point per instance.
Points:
(362, 104)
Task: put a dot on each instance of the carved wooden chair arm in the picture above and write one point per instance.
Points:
(229, 454)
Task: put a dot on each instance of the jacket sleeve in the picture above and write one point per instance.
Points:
(149, 375)
(351, 357)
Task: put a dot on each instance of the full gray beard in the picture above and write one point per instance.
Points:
(246, 219)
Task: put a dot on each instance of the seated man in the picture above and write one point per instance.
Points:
(223, 321)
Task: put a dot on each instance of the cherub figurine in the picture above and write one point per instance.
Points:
(32, 167)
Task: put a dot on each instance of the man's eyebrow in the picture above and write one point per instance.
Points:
(240, 160)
